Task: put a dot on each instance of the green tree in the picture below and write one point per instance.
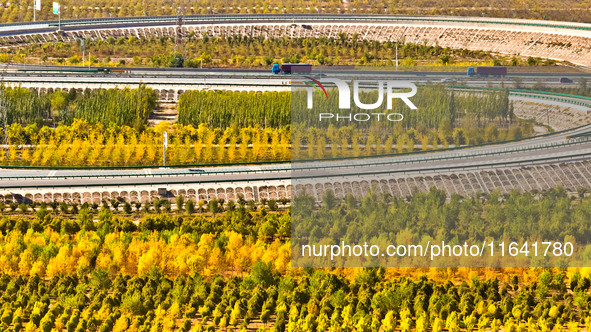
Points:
(180, 202)
(190, 207)
(176, 60)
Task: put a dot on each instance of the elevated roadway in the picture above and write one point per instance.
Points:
(550, 148)
(477, 170)
(170, 84)
(541, 162)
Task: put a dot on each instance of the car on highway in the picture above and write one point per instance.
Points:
(565, 80)
(196, 171)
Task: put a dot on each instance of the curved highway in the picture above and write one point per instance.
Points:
(168, 79)
(551, 148)
(546, 149)
(541, 149)
(127, 22)
(562, 41)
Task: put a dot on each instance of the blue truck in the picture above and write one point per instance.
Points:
(276, 69)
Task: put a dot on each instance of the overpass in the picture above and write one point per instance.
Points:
(537, 163)
(168, 88)
(170, 84)
(532, 164)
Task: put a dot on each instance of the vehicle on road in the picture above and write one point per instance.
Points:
(487, 71)
(196, 170)
(292, 68)
(565, 80)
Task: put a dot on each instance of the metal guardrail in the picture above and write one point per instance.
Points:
(533, 93)
(516, 92)
(580, 156)
(580, 135)
(143, 175)
(151, 83)
(303, 160)
(548, 95)
(465, 147)
(318, 167)
(580, 140)
(218, 18)
(547, 160)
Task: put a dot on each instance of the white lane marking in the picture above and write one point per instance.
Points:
(148, 171)
(52, 173)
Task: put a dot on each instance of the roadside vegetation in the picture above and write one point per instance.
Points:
(248, 52)
(120, 107)
(182, 264)
(571, 10)
(220, 265)
(110, 128)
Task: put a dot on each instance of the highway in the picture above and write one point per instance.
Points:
(549, 74)
(41, 77)
(550, 148)
(151, 81)
(546, 149)
(557, 40)
(126, 22)
(538, 150)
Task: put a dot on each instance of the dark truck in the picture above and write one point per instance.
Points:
(487, 71)
(292, 68)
